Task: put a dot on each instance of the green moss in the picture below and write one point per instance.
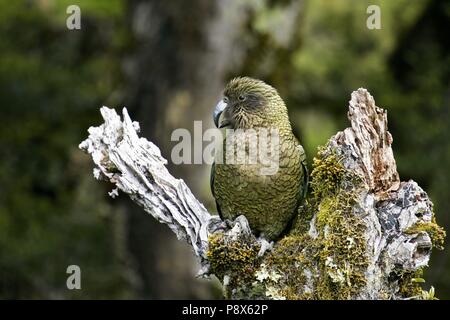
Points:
(341, 244)
(326, 175)
(342, 255)
(291, 257)
(288, 251)
(410, 283)
(326, 179)
(302, 220)
(236, 259)
(339, 250)
(429, 295)
(436, 233)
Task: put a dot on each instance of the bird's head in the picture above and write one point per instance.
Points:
(250, 103)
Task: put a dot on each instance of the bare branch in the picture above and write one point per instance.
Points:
(137, 168)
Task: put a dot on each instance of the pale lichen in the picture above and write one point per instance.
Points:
(264, 274)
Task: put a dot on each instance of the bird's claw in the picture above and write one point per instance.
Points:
(265, 246)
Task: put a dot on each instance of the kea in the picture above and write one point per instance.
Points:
(269, 200)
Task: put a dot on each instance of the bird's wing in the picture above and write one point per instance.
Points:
(211, 185)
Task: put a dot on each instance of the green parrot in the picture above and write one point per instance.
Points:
(268, 201)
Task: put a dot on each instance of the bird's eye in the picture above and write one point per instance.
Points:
(241, 97)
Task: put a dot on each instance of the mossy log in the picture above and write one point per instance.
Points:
(361, 233)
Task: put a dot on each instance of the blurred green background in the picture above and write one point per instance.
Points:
(166, 61)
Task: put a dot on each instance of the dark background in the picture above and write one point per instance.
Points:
(166, 61)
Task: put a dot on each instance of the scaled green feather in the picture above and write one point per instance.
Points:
(269, 202)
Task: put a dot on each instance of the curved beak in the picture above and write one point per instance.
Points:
(220, 107)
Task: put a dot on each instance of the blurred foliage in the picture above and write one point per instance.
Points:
(51, 84)
(52, 81)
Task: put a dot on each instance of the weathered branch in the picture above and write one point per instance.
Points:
(362, 234)
(137, 168)
(390, 209)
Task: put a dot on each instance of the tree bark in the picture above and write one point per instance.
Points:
(361, 234)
